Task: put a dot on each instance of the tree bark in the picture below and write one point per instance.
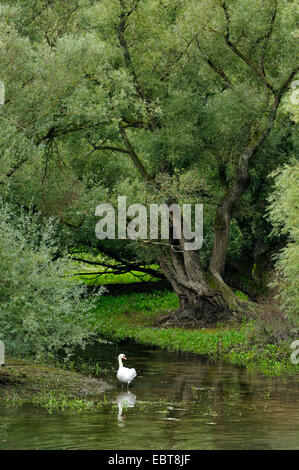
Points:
(203, 297)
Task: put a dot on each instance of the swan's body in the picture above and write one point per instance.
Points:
(124, 374)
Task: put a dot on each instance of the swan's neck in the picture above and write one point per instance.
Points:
(120, 362)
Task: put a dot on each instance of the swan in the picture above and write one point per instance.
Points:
(124, 374)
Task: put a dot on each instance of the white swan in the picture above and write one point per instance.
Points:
(124, 374)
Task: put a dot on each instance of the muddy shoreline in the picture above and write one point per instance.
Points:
(21, 380)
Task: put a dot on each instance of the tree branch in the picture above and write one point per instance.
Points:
(112, 148)
(178, 57)
(231, 197)
(134, 157)
(15, 168)
(214, 67)
(266, 38)
(120, 268)
(256, 71)
(120, 31)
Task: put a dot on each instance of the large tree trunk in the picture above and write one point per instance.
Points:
(204, 298)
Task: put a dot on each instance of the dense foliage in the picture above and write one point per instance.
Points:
(42, 310)
(284, 213)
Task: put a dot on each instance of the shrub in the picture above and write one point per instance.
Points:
(41, 309)
(284, 215)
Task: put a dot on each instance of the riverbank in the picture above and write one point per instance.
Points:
(24, 383)
(254, 343)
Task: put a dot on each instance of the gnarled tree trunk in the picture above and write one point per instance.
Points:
(204, 297)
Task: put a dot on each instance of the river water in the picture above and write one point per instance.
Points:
(178, 401)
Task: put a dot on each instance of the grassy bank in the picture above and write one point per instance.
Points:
(132, 316)
(51, 388)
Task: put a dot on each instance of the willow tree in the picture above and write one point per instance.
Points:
(171, 86)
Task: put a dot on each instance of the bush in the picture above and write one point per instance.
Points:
(284, 215)
(273, 327)
(41, 309)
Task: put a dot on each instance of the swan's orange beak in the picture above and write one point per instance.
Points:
(125, 357)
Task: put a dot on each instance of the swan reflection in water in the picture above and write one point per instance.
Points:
(124, 400)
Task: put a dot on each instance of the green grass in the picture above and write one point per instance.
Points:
(56, 401)
(131, 317)
(136, 308)
(241, 295)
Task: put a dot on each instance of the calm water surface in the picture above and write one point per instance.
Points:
(176, 402)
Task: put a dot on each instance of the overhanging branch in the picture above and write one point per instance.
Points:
(118, 268)
(134, 157)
